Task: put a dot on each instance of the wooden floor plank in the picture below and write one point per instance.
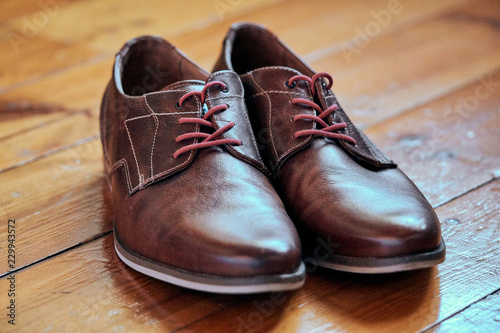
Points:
(100, 30)
(92, 288)
(10, 9)
(332, 23)
(17, 118)
(39, 56)
(74, 127)
(92, 79)
(483, 316)
(58, 202)
(334, 301)
(74, 49)
(40, 40)
(450, 145)
(417, 63)
(426, 86)
(445, 159)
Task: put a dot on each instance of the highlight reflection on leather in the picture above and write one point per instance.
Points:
(209, 210)
(351, 194)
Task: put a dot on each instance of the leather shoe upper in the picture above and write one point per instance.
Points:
(335, 183)
(189, 185)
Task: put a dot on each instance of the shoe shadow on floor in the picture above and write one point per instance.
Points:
(154, 304)
(377, 302)
(350, 301)
(168, 307)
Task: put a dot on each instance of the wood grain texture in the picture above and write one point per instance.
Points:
(90, 290)
(331, 24)
(403, 302)
(483, 316)
(444, 152)
(93, 288)
(93, 77)
(98, 28)
(58, 202)
(450, 145)
(29, 37)
(417, 63)
(425, 85)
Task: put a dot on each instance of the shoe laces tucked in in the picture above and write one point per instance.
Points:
(326, 130)
(209, 140)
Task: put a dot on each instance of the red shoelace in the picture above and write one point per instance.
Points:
(209, 140)
(326, 130)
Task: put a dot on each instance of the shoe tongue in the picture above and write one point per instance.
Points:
(187, 85)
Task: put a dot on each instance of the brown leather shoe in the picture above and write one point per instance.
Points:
(354, 209)
(192, 204)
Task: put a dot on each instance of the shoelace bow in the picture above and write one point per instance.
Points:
(209, 140)
(326, 130)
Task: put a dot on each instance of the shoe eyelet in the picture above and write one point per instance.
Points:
(291, 119)
(290, 86)
(177, 105)
(226, 89)
(172, 157)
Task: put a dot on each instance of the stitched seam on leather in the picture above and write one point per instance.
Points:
(279, 92)
(299, 144)
(252, 136)
(177, 166)
(224, 97)
(276, 67)
(160, 114)
(286, 152)
(123, 163)
(156, 132)
(141, 179)
(153, 147)
(167, 91)
(133, 151)
(269, 112)
(374, 152)
(229, 147)
(185, 84)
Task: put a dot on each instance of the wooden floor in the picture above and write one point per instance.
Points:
(422, 78)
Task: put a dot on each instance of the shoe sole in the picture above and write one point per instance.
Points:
(212, 283)
(385, 265)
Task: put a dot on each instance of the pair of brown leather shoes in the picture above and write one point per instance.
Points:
(215, 176)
